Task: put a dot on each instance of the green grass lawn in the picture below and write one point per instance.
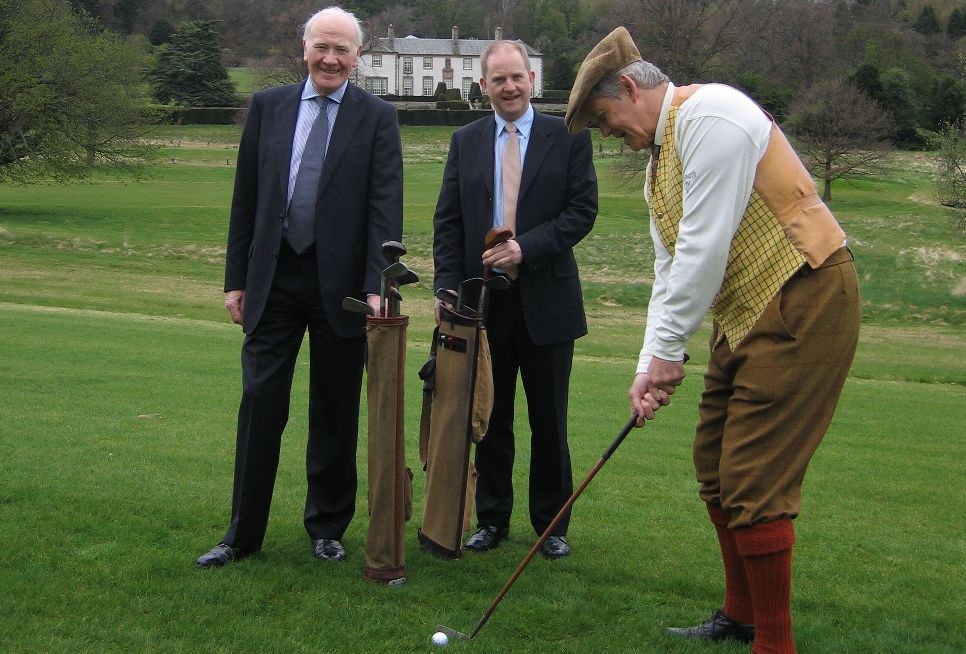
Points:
(119, 383)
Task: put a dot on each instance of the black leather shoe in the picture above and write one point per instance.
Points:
(487, 538)
(555, 547)
(220, 555)
(717, 627)
(327, 549)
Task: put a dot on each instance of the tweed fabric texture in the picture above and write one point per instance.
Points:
(761, 258)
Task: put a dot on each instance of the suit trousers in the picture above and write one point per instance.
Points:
(767, 404)
(268, 362)
(545, 371)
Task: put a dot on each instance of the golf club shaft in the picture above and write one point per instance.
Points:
(553, 524)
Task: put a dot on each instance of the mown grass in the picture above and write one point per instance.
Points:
(119, 384)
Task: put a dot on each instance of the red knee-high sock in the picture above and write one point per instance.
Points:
(737, 602)
(767, 553)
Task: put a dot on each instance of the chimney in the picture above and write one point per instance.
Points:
(392, 33)
(499, 34)
(456, 34)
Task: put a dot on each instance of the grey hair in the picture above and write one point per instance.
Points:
(498, 45)
(335, 10)
(645, 75)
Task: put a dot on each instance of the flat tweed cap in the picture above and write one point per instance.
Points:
(615, 51)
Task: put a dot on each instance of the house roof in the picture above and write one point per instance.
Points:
(413, 45)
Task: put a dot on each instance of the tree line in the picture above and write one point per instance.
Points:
(845, 76)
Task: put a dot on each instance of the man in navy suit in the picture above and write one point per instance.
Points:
(533, 324)
(318, 188)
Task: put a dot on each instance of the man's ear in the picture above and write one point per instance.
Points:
(628, 86)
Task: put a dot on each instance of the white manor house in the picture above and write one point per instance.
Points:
(414, 66)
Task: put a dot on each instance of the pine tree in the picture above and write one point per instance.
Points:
(928, 21)
(190, 71)
(956, 25)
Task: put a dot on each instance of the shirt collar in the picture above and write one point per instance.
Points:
(523, 123)
(309, 92)
(662, 120)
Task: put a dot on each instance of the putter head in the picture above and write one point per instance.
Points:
(392, 250)
(452, 634)
(356, 305)
(496, 236)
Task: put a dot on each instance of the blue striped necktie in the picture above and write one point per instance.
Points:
(301, 210)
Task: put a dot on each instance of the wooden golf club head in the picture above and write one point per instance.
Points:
(496, 236)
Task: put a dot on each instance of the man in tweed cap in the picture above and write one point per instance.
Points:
(739, 230)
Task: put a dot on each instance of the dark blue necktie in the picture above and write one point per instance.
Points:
(301, 210)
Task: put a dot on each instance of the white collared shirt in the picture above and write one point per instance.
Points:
(720, 136)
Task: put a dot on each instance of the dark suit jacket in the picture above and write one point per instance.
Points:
(556, 208)
(359, 203)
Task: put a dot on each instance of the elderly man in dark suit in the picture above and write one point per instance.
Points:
(317, 190)
(520, 169)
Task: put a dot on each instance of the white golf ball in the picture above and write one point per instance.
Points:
(440, 639)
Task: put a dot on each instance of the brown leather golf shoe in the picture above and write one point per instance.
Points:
(486, 538)
(717, 627)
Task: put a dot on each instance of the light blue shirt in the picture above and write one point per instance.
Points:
(523, 124)
(308, 112)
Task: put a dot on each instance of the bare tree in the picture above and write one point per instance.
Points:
(840, 133)
(690, 38)
(951, 166)
(800, 40)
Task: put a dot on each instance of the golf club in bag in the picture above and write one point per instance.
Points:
(457, 400)
(390, 481)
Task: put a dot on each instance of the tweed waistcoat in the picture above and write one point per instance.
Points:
(761, 258)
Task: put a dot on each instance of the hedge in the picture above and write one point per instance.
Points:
(408, 117)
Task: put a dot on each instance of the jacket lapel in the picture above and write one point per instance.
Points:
(537, 149)
(286, 116)
(484, 144)
(351, 112)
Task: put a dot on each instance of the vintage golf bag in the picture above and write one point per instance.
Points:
(457, 400)
(390, 481)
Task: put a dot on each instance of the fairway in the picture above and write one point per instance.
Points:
(119, 383)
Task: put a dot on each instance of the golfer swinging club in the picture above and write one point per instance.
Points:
(739, 230)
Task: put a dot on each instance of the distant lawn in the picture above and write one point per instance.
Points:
(119, 384)
(244, 79)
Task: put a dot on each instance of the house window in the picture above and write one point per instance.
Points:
(407, 85)
(467, 83)
(428, 85)
(377, 85)
(407, 65)
(467, 63)
(377, 61)
(427, 62)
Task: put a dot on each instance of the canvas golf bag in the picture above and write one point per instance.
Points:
(390, 481)
(457, 400)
